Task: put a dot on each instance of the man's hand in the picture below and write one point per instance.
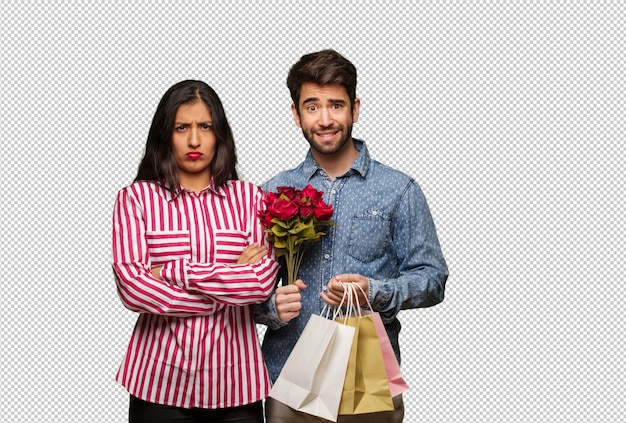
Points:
(252, 254)
(335, 291)
(288, 301)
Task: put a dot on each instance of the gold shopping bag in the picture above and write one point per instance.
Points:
(366, 386)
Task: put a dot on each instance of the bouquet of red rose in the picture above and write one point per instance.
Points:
(291, 219)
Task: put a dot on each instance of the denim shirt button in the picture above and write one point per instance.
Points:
(326, 256)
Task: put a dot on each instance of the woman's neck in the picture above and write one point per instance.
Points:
(194, 182)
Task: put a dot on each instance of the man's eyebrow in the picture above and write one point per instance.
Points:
(315, 99)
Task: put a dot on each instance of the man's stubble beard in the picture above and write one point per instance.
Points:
(310, 137)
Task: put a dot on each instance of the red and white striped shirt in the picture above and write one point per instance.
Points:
(195, 342)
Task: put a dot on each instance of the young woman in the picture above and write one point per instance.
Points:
(189, 256)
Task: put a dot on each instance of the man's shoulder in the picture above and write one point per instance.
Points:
(290, 177)
(380, 170)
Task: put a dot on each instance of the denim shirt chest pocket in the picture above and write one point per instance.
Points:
(370, 234)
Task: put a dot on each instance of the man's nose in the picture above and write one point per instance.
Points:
(325, 117)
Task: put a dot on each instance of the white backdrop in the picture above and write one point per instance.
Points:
(511, 116)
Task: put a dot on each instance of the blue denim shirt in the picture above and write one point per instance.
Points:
(384, 232)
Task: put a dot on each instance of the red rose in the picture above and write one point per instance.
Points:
(283, 209)
(264, 215)
(269, 198)
(312, 194)
(306, 210)
(289, 192)
(309, 201)
(266, 218)
(323, 211)
(306, 207)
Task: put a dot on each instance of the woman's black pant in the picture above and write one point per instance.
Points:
(141, 411)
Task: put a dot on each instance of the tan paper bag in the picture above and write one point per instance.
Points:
(366, 386)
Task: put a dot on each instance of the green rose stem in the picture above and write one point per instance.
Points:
(291, 265)
(294, 254)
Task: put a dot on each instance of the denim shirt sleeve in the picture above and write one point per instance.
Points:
(422, 271)
(266, 314)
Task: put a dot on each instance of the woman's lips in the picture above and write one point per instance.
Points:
(194, 155)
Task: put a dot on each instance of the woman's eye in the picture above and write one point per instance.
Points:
(180, 128)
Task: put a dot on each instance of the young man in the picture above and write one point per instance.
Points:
(385, 240)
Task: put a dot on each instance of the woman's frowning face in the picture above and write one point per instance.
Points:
(194, 144)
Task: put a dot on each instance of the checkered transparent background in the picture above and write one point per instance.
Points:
(509, 114)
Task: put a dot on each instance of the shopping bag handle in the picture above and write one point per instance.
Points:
(329, 313)
(367, 300)
(352, 306)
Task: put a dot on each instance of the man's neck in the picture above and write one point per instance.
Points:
(339, 163)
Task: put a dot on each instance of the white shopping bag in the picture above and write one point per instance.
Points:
(312, 379)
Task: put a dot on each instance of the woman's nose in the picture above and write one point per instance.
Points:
(194, 139)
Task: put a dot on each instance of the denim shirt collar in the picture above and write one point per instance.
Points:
(361, 164)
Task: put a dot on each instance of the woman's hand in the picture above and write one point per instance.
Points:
(252, 254)
(156, 272)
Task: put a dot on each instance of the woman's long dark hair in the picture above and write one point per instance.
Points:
(159, 164)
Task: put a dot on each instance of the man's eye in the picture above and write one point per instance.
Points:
(312, 108)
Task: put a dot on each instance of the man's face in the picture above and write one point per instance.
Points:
(325, 116)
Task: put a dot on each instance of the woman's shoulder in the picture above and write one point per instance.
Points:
(244, 186)
(240, 182)
(151, 185)
(144, 188)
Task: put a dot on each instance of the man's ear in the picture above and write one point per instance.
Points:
(296, 115)
(355, 110)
